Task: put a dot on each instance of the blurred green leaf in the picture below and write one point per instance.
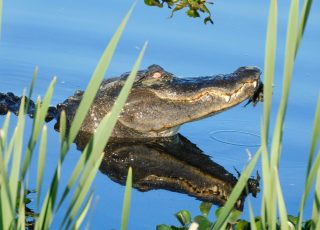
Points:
(153, 3)
(259, 224)
(218, 212)
(163, 227)
(193, 13)
(208, 19)
(293, 219)
(27, 200)
(203, 222)
(184, 217)
(309, 225)
(234, 216)
(243, 225)
(205, 208)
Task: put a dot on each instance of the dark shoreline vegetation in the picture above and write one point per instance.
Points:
(15, 161)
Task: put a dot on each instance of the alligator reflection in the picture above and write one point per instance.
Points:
(171, 163)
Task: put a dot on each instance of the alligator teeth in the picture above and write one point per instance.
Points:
(254, 84)
(215, 189)
(227, 98)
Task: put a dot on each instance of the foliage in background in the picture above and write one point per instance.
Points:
(194, 7)
(14, 164)
(273, 211)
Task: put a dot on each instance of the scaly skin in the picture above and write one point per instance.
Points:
(159, 102)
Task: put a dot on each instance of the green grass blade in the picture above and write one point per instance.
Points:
(41, 162)
(1, 208)
(47, 209)
(7, 217)
(21, 210)
(316, 201)
(37, 124)
(75, 174)
(277, 135)
(269, 64)
(311, 177)
(108, 127)
(41, 219)
(101, 136)
(17, 152)
(237, 190)
(303, 22)
(291, 41)
(318, 224)
(63, 134)
(126, 201)
(96, 80)
(34, 77)
(82, 190)
(315, 136)
(63, 130)
(252, 221)
(4, 133)
(269, 69)
(83, 213)
(281, 203)
(9, 150)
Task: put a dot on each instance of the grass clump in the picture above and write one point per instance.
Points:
(273, 211)
(14, 164)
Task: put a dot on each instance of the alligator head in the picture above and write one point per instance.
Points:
(159, 102)
(170, 163)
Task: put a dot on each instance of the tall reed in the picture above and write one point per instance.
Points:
(273, 201)
(14, 164)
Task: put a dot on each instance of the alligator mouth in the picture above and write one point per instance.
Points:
(214, 92)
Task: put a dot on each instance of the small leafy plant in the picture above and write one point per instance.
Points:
(203, 222)
(193, 7)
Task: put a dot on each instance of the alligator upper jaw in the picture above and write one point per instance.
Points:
(232, 88)
(160, 110)
(215, 99)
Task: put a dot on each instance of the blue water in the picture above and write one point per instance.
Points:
(66, 39)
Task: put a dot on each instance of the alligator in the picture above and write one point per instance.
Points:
(171, 163)
(159, 102)
(147, 129)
